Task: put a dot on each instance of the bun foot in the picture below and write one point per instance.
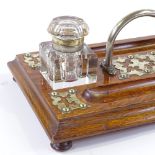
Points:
(62, 146)
(14, 79)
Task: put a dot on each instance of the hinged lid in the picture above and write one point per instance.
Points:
(68, 28)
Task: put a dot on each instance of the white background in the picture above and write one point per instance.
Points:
(23, 25)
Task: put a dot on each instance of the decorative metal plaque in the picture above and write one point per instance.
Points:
(33, 60)
(67, 101)
(135, 65)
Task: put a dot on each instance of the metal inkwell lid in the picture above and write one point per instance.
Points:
(68, 32)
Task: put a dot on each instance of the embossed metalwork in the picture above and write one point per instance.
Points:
(135, 65)
(67, 101)
(32, 60)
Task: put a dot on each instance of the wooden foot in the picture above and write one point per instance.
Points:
(62, 146)
(14, 79)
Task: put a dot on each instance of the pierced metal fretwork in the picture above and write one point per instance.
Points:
(135, 64)
(33, 60)
(67, 101)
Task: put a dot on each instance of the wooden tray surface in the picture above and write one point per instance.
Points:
(113, 104)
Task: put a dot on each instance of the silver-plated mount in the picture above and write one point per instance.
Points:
(138, 64)
(32, 60)
(67, 101)
(107, 63)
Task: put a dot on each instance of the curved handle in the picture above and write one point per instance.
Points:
(107, 63)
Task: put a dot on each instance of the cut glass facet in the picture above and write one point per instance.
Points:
(66, 61)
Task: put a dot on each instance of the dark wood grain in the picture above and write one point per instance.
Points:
(114, 104)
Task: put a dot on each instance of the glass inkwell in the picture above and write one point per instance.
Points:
(67, 61)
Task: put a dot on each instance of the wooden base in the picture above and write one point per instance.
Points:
(112, 104)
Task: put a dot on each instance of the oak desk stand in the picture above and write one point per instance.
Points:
(113, 103)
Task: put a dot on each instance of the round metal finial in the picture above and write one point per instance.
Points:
(65, 109)
(72, 91)
(54, 94)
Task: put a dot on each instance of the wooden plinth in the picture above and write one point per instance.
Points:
(113, 104)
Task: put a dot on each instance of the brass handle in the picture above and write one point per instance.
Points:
(107, 63)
